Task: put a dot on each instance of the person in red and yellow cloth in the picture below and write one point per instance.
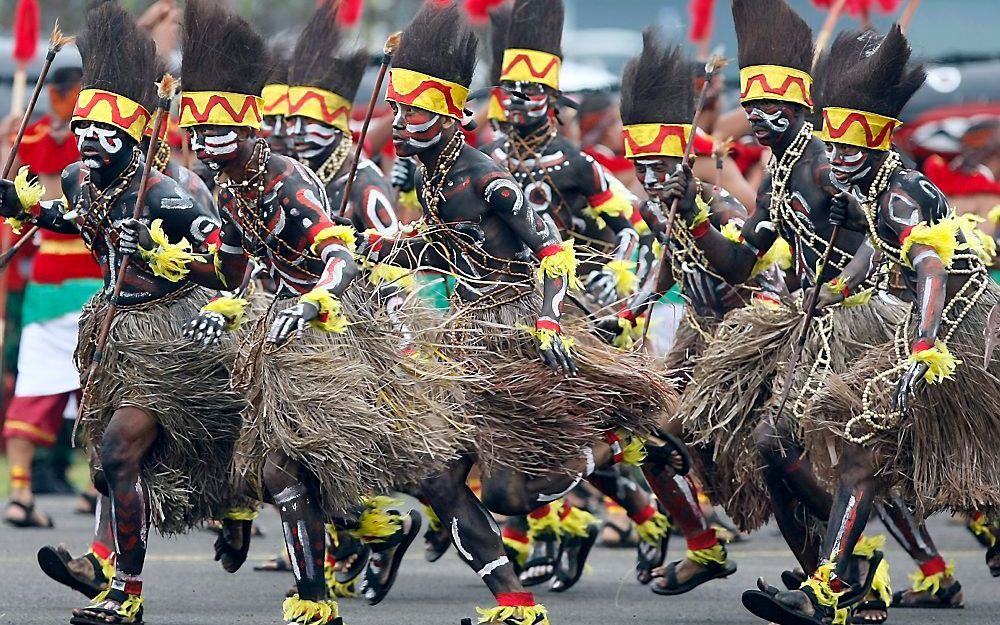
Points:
(63, 277)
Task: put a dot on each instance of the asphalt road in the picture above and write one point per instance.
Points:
(185, 587)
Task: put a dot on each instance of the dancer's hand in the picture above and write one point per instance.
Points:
(291, 321)
(846, 211)
(907, 385)
(608, 328)
(404, 174)
(827, 296)
(602, 285)
(206, 328)
(133, 236)
(10, 206)
(557, 357)
(682, 188)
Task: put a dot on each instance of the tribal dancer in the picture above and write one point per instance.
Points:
(324, 78)
(657, 106)
(564, 185)
(478, 227)
(576, 197)
(156, 403)
(342, 407)
(918, 411)
(741, 374)
(274, 122)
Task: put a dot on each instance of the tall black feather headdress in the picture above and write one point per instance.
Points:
(775, 52)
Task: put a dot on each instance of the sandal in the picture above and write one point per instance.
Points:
(573, 554)
(870, 605)
(943, 599)
(672, 453)
(111, 608)
(371, 586)
(710, 572)
(54, 562)
(230, 557)
(774, 606)
(29, 519)
(348, 546)
(650, 557)
(544, 553)
(993, 553)
(625, 537)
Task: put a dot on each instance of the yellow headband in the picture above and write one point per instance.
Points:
(655, 139)
(321, 105)
(531, 66)
(865, 130)
(774, 82)
(97, 105)
(496, 111)
(427, 92)
(220, 108)
(275, 100)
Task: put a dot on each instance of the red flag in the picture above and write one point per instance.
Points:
(701, 19)
(27, 25)
(349, 12)
(862, 7)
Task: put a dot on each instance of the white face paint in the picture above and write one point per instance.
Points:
(108, 141)
(848, 168)
(214, 150)
(419, 130)
(311, 137)
(777, 121)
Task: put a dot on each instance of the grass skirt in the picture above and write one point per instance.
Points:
(738, 382)
(693, 335)
(944, 453)
(530, 418)
(185, 387)
(358, 413)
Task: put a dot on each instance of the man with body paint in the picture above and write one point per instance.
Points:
(477, 225)
(899, 416)
(143, 441)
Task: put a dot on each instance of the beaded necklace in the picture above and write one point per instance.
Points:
(783, 215)
(162, 157)
(94, 205)
(331, 166)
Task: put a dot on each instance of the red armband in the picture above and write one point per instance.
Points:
(615, 443)
(906, 233)
(601, 198)
(628, 314)
(549, 250)
(921, 346)
(701, 229)
(548, 324)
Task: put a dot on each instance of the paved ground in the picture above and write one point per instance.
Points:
(184, 586)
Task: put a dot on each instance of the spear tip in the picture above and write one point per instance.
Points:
(167, 87)
(392, 43)
(715, 63)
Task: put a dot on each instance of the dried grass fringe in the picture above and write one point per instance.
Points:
(530, 418)
(737, 385)
(944, 453)
(149, 365)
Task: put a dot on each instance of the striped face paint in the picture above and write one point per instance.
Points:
(100, 145)
(769, 120)
(655, 172)
(849, 163)
(527, 110)
(214, 145)
(311, 138)
(414, 130)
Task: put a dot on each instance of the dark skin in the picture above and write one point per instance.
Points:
(369, 206)
(561, 183)
(792, 484)
(132, 430)
(292, 197)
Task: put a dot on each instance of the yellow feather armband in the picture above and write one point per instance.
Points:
(545, 337)
(561, 264)
(232, 308)
(617, 205)
(732, 232)
(392, 275)
(780, 254)
(625, 279)
(167, 260)
(978, 241)
(994, 215)
(346, 234)
(940, 363)
(942, 237)
(29, 194)
(704, 212)
(331, 315)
